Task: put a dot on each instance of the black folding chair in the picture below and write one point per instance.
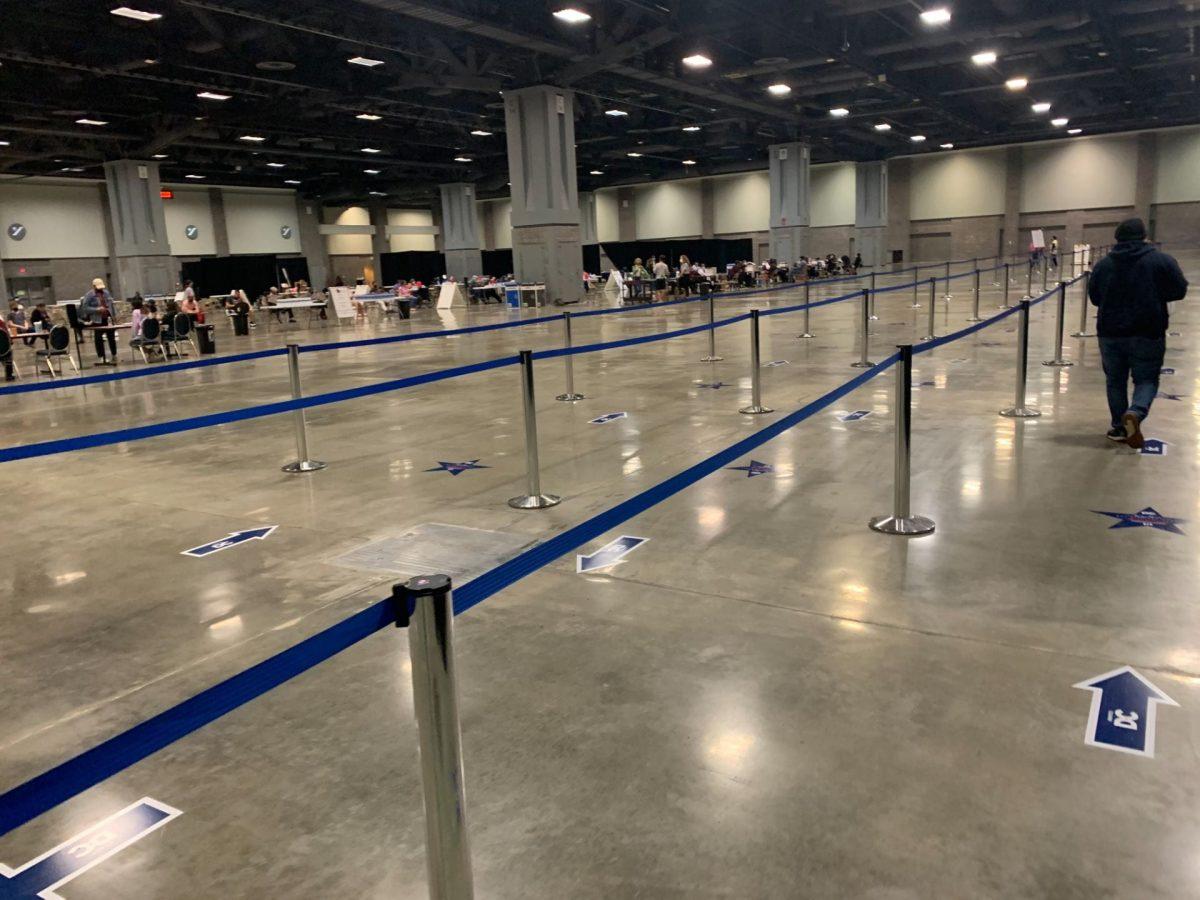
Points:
(58, 344)
(181, 330)
(151, 336)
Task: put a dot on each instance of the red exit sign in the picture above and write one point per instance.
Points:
(167, 195)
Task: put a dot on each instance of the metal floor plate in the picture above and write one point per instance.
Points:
(436, 549)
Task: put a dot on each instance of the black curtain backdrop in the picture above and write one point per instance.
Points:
(297, 270)
(252, 274)
(424, 265)
(711, 252)
(591, 258)
(497, 263)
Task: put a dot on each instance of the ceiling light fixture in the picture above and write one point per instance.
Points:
(377, 193)
(4, 144)
(252, 138)
(290, 181)
(368, 117)
(939, 15)
(462, 159)
(697, 61)
(917, 138)
(1017, 84)
(779, 90)
(634, 154)
(479, 132)
(882, 126)
(1041, 107)
(213, 95)
(365, 61)
(615, 113)
(196, 177)
(689, 162)
(90, 122)
(572, 16)
(595, 172)
(372, 171)
(140, 14)
(984, 58)
(371, 150)
(946, 146)
(691, 128)
(71, 169)
(839, 112)
(159, 156)
(1074, 131)
(276, 165)
(1059, 122)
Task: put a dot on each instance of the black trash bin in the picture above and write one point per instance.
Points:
(204, 337)
(241, 324)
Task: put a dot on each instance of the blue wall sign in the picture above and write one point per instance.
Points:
(41, 877)
(607, 417)
(855, 416)
(1144, 518)
(754, 468)
(1123, 711)
(610, 554)
(454, 468)
(237, 537)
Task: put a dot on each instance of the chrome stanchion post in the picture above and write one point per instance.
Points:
(864, 362)
(902, 521)
(569, 361)
(535, 499)
(1084, 303)
(712, 333)
(302, 463)
(807, 310)
(755, 408)
(1060, 325)
(916, 304)
(1004, 304)
(1045, 272)
(1019, 410)
(974, 317)
(873, 316)
(439, 735)
(949, 296)
(932, 309)
(1029, 282)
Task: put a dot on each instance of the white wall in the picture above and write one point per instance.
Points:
(668, 209)
(399, 242)
(1083, 173)
(741, 203)
(831, 195)
(959, 184)
(62, 221)
(190, 206)
(347, 244)
(253, 219)
(1178, 167)
(608, 221)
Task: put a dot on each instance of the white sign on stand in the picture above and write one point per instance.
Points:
(1038, 239)
(343, 303)
(615, 286)
(450, 294)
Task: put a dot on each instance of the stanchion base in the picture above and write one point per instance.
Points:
(1083, 334)
(755, 410)
(873, 318)
(570, 398)
(1027, 297)
(305, 465)
(948, 297)
(915, 306)
(974, 319)
(805, 336)
(711, 358)
(907, 526)
(1058, 363)
(535, 501)
(1020, 412)
(862, 364)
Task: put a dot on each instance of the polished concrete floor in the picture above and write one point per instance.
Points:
(766, 699)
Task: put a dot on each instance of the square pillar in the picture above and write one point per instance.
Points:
(546, 230)
(139, 227)
(379, 240)
(312, 242)
(626, 216)
(216, 202)
(708, 209)
(899, 221)
(587, 218)
(789, 201)
(1147, 164)
(460, 231)
(871, 213)
(1014, 166)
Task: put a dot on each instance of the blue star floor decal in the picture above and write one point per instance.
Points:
(1145, 518)
(754, 468)
(454, 468)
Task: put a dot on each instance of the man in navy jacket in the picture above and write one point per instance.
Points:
(1132, 287)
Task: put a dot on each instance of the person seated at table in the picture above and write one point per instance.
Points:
(40, 319)
(18, 322)
(191, 306)
(99, 309)
(272, 299)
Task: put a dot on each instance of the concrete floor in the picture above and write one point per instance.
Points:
(765, 700)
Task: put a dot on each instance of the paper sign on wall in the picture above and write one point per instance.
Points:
(1037, 238)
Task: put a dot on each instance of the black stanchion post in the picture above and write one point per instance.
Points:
(974, 317)
(1019, 410)
(1004, 304)
(1084, 303)
(864, 361)
(1060, 325)
(302, 463)
(1029, 282)
(439, 734)
(902, 522)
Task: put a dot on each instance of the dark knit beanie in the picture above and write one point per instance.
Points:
(1130, 230)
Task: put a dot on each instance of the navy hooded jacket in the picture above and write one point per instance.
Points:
(1132, 287)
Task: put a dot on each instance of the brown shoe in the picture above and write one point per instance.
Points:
(1133, 430)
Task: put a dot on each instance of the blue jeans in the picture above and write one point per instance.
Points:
(1141, 357)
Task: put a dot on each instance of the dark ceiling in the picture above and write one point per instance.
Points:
(1107, 66)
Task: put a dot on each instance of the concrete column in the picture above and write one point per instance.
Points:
(1147, 165)
(789, 201)
(708, 209)
(4, 298)
(139, 225)
(871, 213)
(439, 242)
(460, 230)
(626, 217)
(587, 218)
(312, 242)
(1014, 167)
(379, 240)
(547, 245)
(487, 222)
(899, 219)
(216, 202)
